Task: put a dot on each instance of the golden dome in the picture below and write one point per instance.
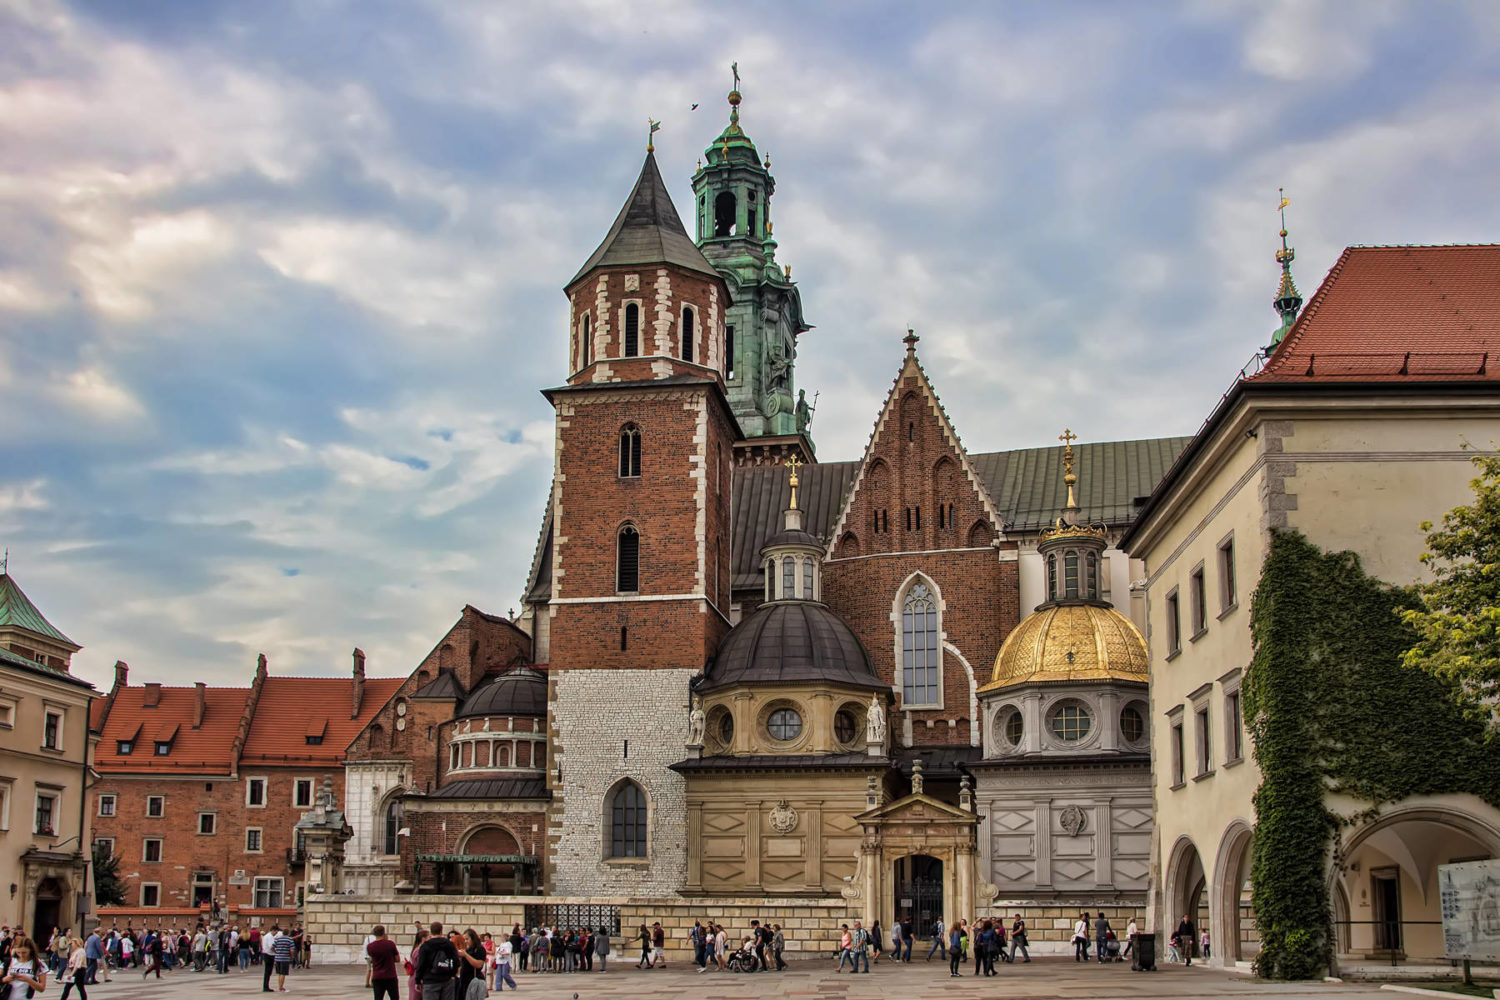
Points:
(1071, 642)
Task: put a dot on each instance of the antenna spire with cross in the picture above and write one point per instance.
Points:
(794, 464)
(1067, 437)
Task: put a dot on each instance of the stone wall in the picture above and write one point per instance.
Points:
(338, 924)
(1049, 928)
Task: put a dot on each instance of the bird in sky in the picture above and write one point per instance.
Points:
(693, 108)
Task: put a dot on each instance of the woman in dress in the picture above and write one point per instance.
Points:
(413, 988)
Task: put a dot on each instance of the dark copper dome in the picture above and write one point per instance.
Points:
(791, 642)
(521, 691)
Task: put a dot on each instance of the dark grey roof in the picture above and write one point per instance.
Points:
(1056, 761)
(521, 691)
(648, 230)
(792, 537)
(444, 685)
(787, 762)
(1025, 484)
(938, 762)
(791, 642)
(494, 788)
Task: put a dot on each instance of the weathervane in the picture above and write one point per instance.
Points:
(653, 126)
(734, 68)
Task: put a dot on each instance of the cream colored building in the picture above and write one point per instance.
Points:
(45, 750)
(1353, 433)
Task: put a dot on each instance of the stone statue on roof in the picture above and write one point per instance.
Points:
(804, 412)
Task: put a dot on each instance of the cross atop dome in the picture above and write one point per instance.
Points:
(910, 340)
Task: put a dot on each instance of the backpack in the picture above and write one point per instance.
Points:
(443, 966)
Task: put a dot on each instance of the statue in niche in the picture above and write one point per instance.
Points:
(875, 721)
(697, 722)
(804, 412)
(778, 366)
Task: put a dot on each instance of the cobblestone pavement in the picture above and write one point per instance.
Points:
(1043, 979)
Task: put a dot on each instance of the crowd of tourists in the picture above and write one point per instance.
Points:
(984, 938)
(78, 963)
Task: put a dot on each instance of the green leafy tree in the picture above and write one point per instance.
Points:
(108, 889)
(1457, 615)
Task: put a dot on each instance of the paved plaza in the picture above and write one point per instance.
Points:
(1061, 979)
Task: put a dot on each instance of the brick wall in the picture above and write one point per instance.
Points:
(185, 851)
(661, 293)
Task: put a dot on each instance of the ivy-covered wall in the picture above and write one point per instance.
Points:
(1330, 709)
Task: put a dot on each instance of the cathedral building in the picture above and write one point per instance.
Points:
(770, 676)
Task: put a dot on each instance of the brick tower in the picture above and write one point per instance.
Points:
(640, 543)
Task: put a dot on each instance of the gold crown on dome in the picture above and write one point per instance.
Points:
(1062, 529)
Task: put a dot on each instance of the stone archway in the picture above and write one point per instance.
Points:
(916, 826)
(1186, 882)
(1233, 931)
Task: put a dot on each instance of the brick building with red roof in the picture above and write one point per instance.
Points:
(200, 787)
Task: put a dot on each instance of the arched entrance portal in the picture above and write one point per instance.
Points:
(918, 879)
(1185, 889)
(48, 912)
(1233, 916)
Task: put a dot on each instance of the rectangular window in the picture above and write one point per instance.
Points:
(105, 846)
(206, 823)
(46, 814)
(255, 792)
(1198, 594)
(1178, 775)
(150, 894)
(106, 805)
(1174, 624)
(163, 747)
(1205, 747)
(1233, 726)
(1227, 597)
(124, 747)
(7, 714)
(268, 893)
(252, 840)
(788, 578)
(807, 579)
(156, 806)
(4, 806)
(729, 354)
(52, 731)
(151, 849)
(632, 330)
(302, 793)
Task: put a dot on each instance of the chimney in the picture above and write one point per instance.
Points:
(153, 694)
(122, 674)
(359, 683)
(199, 705)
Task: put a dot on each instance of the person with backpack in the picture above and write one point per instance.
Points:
(437, 964)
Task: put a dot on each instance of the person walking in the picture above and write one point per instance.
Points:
(1101, 936)
(778, 942)
(938, 944)
(1081, 939)
(504, 950)
(644, 937)
(846, 947)
(1018, 939)
(382, 955)
(721, 947)
(1131, 930)
(861, 948)
(93, 953)
(151, 948)
(1185, 937)
(75, 972)
(658, 947)
(877, 943)
(908, 938)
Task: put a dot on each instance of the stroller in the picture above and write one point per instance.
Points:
(1112, 947)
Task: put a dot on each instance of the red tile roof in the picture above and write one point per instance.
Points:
(1398, 314)
(293, 708)
(206, 750)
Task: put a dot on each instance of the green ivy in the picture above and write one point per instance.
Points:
(1330, 709)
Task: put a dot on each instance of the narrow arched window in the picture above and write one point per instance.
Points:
(628, 561)
(771, 580)
(1091, 577)
(630, 451)
(627, 822)
(632, 330)
(1052, 577)
(750, 214)
(392, 827)
(919, 647)
(587, 353)
(729, 353)
(688, 353)
(788, 577)
(1070, 574)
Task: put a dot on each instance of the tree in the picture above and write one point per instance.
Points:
(108, 889)
(1457, 615)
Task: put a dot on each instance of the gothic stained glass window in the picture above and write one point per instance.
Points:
(627, 811)
(630, 451)
(919, 647)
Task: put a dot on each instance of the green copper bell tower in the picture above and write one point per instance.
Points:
(732, 200)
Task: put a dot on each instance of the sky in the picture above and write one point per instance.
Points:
(280, 282)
